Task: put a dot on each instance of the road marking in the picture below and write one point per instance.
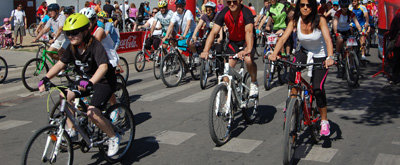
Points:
(173, 137)
(165, 92)
(6, 104)
(281, 105)
(315, 153)
(12, 123)
(387, 159)
(396, 142)
(239, 145)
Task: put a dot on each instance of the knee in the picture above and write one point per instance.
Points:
(70, 96)
(320, 98)
(93, 112)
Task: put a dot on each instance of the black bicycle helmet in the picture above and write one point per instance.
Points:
(68, 10)
(53, 7)
(344, 2)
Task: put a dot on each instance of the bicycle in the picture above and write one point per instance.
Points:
(31, 29)
(175, 66)
(227, 98)
(57, 143)
(300, 112)
(3, 69)
(144, 56)
(349, 61)
(270, 67)
(36, 68)
(207, 67)
(123, 68)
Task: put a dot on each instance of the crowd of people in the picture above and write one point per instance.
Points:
(91, 36)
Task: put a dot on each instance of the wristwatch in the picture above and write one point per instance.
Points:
(330, 57)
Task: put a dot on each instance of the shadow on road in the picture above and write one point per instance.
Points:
(265, 114)
(2, 117)
(142, 117)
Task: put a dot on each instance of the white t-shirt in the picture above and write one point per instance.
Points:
(56, 24)
(18, 17)
(126, 8)
(186, 15)
(158, 26)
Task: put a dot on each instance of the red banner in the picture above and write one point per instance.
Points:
(130, 41)
(386, 10)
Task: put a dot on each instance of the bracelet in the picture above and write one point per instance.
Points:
(330, 57)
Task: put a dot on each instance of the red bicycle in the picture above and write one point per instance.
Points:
(301, 113)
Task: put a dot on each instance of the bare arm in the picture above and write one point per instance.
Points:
(268, 27)
(169, 31)
(60, 29)
(199, 25)
(357, 24)
(44, 30)
(325, 33)
(249, 37)
(335, 23)
(210, 39)
(366, 19)
(187, 28)
(282, 40)
(153, 26)
(100, 72)
(100, 35)
(264, 18)
(55, 69)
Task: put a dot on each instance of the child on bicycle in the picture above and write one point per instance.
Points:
(7, 41)
(90, 59)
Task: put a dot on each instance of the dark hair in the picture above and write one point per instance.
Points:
(43, 3)
(250, 4)
(87, 4)
(313, 17)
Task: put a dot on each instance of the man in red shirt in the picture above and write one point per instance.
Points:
(92, 4)
(240, 23)
(41, 11)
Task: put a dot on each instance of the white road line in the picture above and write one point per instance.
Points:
(396, 142)
(387, 159)
(173, 137)
(5, 125)
(239, 145)
(316, 153)
(166, 91)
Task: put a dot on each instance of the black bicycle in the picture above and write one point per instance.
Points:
(3, 69)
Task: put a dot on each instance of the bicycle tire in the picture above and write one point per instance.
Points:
(351, 69)
(268, 73)
(32, 29)
(194, 69)
(39, 52)
(250, 111)
(203, 74)
(282, 73)
(121, 93)
(169, 70)
(290, 131)
(52, 129)
(140, 61)
(315, 127)
(157, 63)
(127, 121)
(124, 68)
(32, 84)
(220, 137)
(3, 69)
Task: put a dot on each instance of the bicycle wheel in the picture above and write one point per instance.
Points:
(123, 68)
(125, 127)
(39, 52)
(3, 69)
(42, 145)
(34, 70)
(315, 127)
(159, 55)
(351, 69)
(121, 93)
(194, 69)
(220, 119)
(140, 61)
(203, 73)
(31, 29)
(269, 68)
(250, 111)
(282, 73)
(290, 130)
(171, 70)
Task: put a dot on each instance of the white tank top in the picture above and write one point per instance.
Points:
(314, 42)
(108, 45)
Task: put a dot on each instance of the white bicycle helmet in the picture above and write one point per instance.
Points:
(210, 4)
(88, 12)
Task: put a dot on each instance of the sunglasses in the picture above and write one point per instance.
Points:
(305, 4)
(154, 12)
(232, 2)
(72, 33)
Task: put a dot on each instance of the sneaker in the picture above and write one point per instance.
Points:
(253, 89)
(114, 115)
(325, 128)
(363, 57)
(113, 145)
(12, 47)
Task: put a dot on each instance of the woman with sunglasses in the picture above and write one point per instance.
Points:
(316, 45)
(341, 27)
(85, 51)
(206, 22)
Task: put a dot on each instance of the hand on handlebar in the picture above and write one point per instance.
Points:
(273, 57)
(204, 55)
(241, 55)
(329, 62)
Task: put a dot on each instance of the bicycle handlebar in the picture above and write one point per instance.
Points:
(301, 65)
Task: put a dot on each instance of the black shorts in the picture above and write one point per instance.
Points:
(233, 47)
(153, 40)
(101, 95)
(345, 34)
(318, 78)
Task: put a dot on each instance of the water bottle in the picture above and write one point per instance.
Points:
(307, 100)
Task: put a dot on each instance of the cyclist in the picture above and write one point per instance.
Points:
(86, 50)
(109, 28)
(164, 16)
(185, 21)
(361, 13)
(263, 13)
(277, 15)
(316, 44)
(372, 10)
(207, 21)
(56, 23)
(155, 36)
(341, 26)
(240, 23)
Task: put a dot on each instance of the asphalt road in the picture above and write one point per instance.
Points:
(172, 123)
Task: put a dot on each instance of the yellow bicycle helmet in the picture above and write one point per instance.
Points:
(75, 21)
(162, 3)
(102, 14)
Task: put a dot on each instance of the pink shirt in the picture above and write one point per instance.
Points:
(133, 12)
(7, 28)
(220, 7)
